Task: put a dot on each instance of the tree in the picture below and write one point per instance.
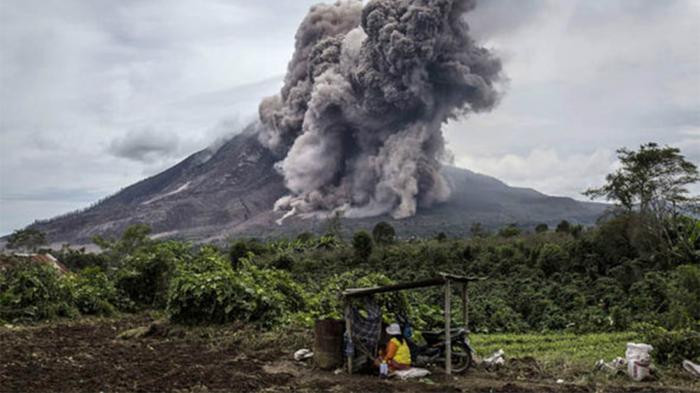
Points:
(441, 237)
(362, 245)
(653, 181)
(383, 233)
(133, 238)
(653, 178)
(511, 230)
(26, 239)
(238, 250)
(542, 228)
(563, 227)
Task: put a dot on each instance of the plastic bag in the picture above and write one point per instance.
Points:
(413, 372)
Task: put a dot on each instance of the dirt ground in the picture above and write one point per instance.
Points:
(98, 356)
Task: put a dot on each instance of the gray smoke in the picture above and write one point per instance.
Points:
(357, 124)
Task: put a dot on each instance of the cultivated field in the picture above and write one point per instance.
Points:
(97, 355)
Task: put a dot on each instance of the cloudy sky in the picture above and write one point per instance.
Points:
(95, 95)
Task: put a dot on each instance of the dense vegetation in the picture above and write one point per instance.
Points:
(637, 269)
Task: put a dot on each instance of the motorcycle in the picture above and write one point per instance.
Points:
(433, 352)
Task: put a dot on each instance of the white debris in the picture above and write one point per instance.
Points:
(692, 368)
(303, 354)
(613, 366)
(413, 372)
(496, 359)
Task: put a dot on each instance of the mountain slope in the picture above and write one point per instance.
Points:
(212, 196)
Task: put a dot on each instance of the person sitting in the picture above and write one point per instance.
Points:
(397, 354)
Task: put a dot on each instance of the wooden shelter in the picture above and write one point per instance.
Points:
(443, 279)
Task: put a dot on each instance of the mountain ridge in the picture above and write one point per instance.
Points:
(213, 195)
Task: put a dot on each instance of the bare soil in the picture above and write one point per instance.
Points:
(98, 356)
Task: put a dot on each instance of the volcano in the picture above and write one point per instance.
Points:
(214, 196)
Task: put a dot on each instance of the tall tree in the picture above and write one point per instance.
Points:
(652, 186)
(654, 179)
(383, 233)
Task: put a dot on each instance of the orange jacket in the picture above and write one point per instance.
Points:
(398, 351)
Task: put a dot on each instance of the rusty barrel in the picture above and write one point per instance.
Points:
(328, 343)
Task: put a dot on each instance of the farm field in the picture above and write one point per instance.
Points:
(95, 354)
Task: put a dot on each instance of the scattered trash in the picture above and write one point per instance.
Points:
(303, 354)
(638, 360)
(692, 368)
(338, 371)
(614, 366)
(413, 372)
(560, 380)
(496, 359)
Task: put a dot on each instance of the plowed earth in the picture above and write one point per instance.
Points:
(91, 356)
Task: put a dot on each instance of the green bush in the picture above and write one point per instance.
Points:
(143, 279)
(383, 233)
(671, 347)
(208, 290)
(552, 259)
(509, 231)
(30, 291)
(362, 246)
(93, 291)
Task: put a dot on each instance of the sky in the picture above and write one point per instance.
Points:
(96, 95)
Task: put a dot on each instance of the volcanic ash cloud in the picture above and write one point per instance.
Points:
(357, 125)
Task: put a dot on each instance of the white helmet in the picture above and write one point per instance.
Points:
(394, 329)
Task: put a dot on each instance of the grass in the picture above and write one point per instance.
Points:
(579, 349)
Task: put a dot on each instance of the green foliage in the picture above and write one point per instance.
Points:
(326, 301)
(653, 178)
(563, 227)
(144, 277)
(509, 231)
(207, 290)
(76, 260)
(541, 228)
(283, 261)
(383, 233)
(582, 350)
(552, 258)
(238, 251)
(31, 291)
(604, 279)
(28, 239)
(672, 347)
(133, 238)
(93, 292)
(362, 245)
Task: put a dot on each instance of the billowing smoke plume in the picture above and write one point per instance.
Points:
(358, 122)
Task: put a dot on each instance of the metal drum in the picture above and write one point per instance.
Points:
(328, 343)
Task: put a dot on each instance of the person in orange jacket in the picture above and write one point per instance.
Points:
(397, 354)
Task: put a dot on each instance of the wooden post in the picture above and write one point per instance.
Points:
(465, 306)
(348, 330)
(448, 338)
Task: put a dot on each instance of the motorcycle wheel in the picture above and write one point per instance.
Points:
(461, 358)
